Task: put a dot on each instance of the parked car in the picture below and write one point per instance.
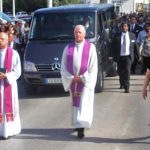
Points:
(52, 29)
(4, 16)
(26, 19)
(21, 14)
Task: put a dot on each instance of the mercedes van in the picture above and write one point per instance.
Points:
(52, 29)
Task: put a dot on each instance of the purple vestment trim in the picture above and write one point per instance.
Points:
(76, 88)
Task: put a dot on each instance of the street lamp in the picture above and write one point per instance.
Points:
(14, 8)
(133, 6)
(1, 5)
(49, 3)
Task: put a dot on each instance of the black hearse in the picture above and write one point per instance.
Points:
(52, 29)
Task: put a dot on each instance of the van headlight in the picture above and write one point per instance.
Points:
(29, 67)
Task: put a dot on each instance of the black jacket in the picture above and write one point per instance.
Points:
(134, 49)
(136, 30)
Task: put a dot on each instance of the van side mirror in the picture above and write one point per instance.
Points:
(107, 32)
(99, 37)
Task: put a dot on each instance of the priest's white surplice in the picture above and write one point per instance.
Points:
(82, 116)
(13, 127)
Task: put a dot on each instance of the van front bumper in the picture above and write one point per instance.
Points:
(42, 79)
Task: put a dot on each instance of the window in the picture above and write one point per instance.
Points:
(52, 25)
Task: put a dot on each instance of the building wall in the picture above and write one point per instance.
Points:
(127, 6)
(91, 1)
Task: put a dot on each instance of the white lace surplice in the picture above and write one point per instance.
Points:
(13, 127)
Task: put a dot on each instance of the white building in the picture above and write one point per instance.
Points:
(90, 1)
(125, 6)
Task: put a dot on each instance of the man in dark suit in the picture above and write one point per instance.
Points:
(134, 28)
(124, 48)
(11, 41)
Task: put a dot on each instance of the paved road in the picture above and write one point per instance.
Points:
(121, 120)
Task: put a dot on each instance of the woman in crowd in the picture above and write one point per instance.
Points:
(146, 83)
(145, 51)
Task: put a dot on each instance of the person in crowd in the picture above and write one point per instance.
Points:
(10, 70)
(26, 32)
(3, 28)
(134, 28)
(141, 22)
(146, 83)
(11, 29)
(145, 51)
(19, 38)
(11, 43)
(79, 75)
(87, 23)
(142, 33)
(124, 49)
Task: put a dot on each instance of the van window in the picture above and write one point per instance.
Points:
(51, 26)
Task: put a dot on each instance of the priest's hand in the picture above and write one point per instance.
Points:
(2, 76)
(77, 79)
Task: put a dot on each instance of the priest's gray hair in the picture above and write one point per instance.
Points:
(81, 27)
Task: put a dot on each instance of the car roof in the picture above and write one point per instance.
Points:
(5, 17)
(76, 8)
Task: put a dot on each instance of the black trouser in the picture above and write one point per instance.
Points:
(133, 65)
(145, 64)
(124, 67)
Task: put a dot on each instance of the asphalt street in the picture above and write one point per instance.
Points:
(121, 120)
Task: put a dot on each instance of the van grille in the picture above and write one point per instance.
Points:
(45, 68)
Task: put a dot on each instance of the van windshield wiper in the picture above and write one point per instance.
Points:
(61, 37)
(58, 37)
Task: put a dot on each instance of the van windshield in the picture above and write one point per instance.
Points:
(60, 26)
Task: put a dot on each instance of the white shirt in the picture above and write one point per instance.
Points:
(11, 44)
(127, 51)
(132, 27)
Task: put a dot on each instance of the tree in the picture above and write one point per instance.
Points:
(32, 5)
(65, 2)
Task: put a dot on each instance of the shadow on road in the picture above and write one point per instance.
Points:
(42, 92)
(67, 135)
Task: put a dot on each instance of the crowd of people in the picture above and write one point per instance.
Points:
(17, 35)
(138, 24)
(131, 46)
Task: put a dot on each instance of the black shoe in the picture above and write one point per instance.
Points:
(132, 72)
(4, 138)
(121, 87)
(76, 129)
(127, 91)
(80, 132)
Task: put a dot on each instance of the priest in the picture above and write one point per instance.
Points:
(79, 75)
(10, 71)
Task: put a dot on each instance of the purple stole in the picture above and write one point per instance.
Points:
(77, 88)
(7, 89)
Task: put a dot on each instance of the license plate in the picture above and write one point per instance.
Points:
(52, 81)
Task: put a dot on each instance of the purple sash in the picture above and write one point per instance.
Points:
(76, 88)
(7, 89)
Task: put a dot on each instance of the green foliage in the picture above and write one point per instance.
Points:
(24, 5)
(32, 5)
(65, 2)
